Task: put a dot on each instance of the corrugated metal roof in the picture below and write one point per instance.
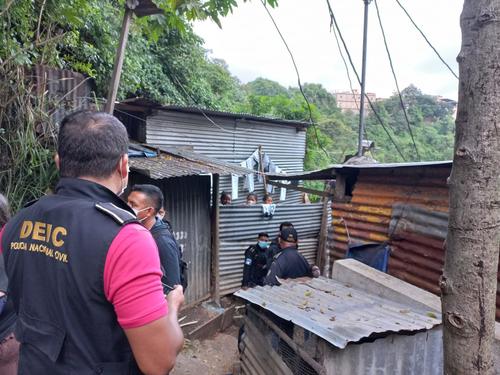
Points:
(172, 162)
(329, 172)
(149, 104)
(336, 312)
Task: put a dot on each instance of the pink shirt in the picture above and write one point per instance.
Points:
(132, 277)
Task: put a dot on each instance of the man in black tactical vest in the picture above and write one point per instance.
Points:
(84, 275)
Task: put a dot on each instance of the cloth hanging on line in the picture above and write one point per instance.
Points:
(268, 166)
(234, 186)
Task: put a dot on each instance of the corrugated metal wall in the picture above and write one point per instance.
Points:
(233, 141)
(65, 90)
(369, 214)
(418, 354)
(187, 201)
(239, 226)
(419, 197)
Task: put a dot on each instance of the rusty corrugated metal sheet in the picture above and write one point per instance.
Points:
(414, 197)
(416, 257)
(177, 163)
(64, 90)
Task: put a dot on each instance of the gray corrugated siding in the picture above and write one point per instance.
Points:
(285, 145)
(70, 90)
(187, 205)
(418, 354)
(239, 226)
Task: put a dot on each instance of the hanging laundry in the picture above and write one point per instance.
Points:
(268, 210)
(234, 186)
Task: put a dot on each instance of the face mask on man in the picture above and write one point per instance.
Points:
(136, 211)
(263, 244)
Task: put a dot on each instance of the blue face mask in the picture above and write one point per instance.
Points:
(263, 244)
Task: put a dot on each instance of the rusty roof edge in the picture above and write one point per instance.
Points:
(212, 165)
(329, 172)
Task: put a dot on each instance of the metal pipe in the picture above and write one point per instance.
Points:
(363, 82)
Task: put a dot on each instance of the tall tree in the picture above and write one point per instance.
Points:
(469, 281)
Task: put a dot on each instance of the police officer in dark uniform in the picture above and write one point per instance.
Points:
(81, 268)
(288, 263)
(274, 248)
(255, 264)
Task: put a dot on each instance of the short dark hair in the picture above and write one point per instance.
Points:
(252, 195)
(263, 234)
(4, 211)
(152, 192)
(224, 195)
(266, 196)
(285, 224)
(90, 144)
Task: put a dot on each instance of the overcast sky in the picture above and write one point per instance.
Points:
(252, 48)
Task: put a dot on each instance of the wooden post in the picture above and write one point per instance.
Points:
(323, 234)
(215, 240)
(120, 55)
(261, 169)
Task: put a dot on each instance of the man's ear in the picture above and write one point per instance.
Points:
(123, 166)
(57, 161)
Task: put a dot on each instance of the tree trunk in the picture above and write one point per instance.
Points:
(469, 281)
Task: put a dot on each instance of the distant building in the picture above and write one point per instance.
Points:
(350, 100)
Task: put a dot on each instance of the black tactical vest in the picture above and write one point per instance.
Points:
(55, 250)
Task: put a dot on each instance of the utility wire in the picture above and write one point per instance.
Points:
(334, 20)
(200, 109)
(427, 40)
(396, 80)
(298, 78)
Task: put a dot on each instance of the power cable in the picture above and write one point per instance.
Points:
(200, 109)
(396, 80)
(298, 78)
(427, 40)
(334, 20)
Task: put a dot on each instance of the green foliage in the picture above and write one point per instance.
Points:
(27, 138)
(431, 122)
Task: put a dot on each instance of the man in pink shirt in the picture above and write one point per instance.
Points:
(84, 275)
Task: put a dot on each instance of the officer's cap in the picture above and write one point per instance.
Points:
(289, 235)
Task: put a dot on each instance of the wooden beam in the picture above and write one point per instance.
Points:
(282, 335)
(215, 240)
(120, 55)
(300, 188)
(323, 234)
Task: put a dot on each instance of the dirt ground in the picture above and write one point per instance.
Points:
(213, 356)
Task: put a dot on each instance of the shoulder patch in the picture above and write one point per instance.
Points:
(118, 214)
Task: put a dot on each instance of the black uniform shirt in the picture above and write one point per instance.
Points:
(287, 264)
(255, 266)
